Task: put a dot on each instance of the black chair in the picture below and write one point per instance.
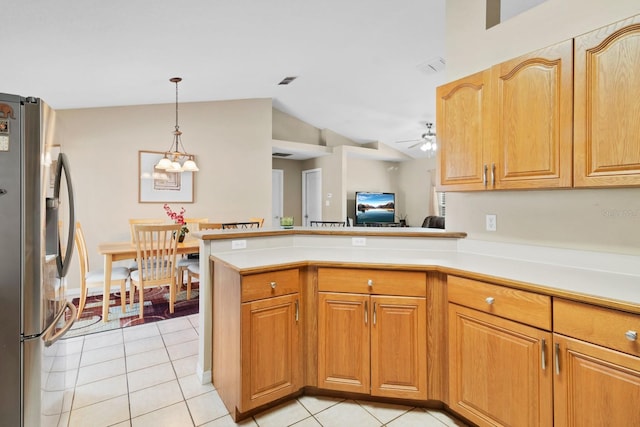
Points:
(327, 223)
(433, 221)
(230, 225)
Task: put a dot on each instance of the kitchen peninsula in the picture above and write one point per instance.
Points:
(417, 308)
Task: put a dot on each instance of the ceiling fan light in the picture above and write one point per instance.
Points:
(424, 147)
(190, 166)
(434, 146)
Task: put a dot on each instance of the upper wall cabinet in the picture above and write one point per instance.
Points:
(532, 120)
(509, 127)
(607, 106)
(462, 111)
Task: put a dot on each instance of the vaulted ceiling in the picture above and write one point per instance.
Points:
(361, 65)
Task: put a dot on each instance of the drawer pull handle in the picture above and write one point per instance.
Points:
(557, 357)
(370, 282)
(297, 311)
(631, 335)
(543, 354)
(273, 285)
(489, 300)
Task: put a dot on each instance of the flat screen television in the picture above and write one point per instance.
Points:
(375, 208)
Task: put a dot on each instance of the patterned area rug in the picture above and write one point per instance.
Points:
(156, 307)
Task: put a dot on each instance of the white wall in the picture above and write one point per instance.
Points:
(415, 189)
(232, 142)
(601, 219)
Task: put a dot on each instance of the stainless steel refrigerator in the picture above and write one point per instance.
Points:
(36, 201)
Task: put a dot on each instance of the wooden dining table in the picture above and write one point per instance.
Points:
(118, 251)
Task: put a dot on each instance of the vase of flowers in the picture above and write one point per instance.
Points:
(178, 218)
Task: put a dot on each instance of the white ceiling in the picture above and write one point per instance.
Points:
(357, 61)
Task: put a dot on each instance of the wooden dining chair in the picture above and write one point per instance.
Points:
(156, 247)
(327, 223)
(137, 221)
(193, 272)
(260, 221)
(230, 225)
(183, 261)
(95, 278)
(194, 223)
(211, 226)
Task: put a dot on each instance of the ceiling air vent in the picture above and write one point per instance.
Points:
(287, 80)
(281, 154)
(432, 66)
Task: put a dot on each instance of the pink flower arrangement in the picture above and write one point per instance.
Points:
(178, 217)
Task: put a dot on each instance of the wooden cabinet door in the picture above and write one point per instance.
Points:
(595, 386)
(607, 106)
(462, 120)
(499, 371)
(271, 362)
(532, 127)
(343, 342)
(399, 347)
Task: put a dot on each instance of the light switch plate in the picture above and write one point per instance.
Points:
(492, 222)
(238, 244)
(359, 241)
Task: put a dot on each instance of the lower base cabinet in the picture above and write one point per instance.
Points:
(270, 350)
(499, 371)
(372, 344)
(596, 365)
(595, 386)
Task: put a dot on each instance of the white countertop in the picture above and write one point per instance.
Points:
(613, 277)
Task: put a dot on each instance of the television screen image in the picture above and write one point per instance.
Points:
(375, 207)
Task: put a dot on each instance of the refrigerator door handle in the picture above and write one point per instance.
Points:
(63, 165)
(50, 335)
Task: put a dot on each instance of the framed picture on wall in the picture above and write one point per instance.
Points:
(159, 186)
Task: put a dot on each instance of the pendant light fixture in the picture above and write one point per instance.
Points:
(171, 160)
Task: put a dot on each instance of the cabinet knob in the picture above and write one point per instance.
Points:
(273, 285)
(370, 282)
(631, 335)
(489, 300)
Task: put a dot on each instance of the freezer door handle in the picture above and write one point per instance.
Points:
(63, 166)
(50, 335)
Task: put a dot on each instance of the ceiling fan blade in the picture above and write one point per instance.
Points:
(408, 140)
(415, 145)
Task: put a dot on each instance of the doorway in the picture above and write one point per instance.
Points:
(311, 196)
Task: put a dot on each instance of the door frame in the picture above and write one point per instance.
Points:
(305, 196)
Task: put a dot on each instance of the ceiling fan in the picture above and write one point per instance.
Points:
(427, 141)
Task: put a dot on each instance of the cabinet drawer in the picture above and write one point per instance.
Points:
(270, 284)
(521, 306)
(598, 325)
(369, 281)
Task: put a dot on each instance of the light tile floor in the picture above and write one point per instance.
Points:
(145, 376)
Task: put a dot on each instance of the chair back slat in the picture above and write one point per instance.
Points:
(81, 245)
(156, 247)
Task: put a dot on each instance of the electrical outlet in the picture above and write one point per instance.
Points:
(238, 244)
(492, 222)
(359, 241)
